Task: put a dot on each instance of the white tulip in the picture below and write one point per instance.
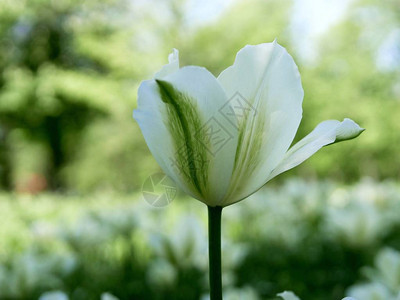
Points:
(287, 295)
(221, 139)
(54, 295)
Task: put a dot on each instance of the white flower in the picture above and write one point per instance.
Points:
(371, 291)
(54, 295)
(388, 265)
(221, 139)
(108, 296)
(287, 295)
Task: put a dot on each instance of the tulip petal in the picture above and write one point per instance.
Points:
(188, 136)
(171, 67)
(326, 133)
(287, 295)
(267, 81)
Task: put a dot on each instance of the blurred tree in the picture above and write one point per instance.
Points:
(54, 79)
(69, 76)
(70, 72)
(215, 45)
(348, 80)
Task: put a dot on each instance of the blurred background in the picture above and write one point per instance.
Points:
(73, 161)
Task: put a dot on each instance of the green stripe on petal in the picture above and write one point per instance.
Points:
(183, 120)
(192, 141)
(250, 142)
(267, 78)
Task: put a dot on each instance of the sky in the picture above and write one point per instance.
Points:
(310, 19)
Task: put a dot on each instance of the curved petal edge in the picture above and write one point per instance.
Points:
(326, 133)
(171, 67)
(264, 88)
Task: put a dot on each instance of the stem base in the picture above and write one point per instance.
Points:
(214, 251)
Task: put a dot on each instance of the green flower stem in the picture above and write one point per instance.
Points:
(214, 251)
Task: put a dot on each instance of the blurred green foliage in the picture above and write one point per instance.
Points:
(66, 68)
(69, 72)
(312, 238)
(383, 279)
